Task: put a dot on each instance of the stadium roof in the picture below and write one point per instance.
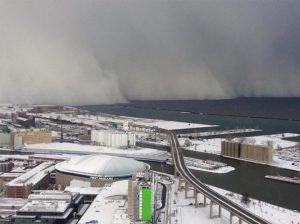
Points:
(101, 166)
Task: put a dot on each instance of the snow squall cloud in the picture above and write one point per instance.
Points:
(93, 52)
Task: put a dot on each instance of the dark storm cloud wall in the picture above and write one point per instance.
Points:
(78, 52)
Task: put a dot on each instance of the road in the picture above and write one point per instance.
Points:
(225, 203)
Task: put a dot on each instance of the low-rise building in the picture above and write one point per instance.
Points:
(23, 119)
(25, 137)
(9, 207)
(49, 207)
(6, 164)
(36, 178)
(6, 177)
(111, 203)
(88, 193)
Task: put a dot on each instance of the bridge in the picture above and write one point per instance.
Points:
(186, 176)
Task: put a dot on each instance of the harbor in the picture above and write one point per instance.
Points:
(247, 176)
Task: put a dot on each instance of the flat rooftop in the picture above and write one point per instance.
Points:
(71, 148)
(84, 190)
(34, 175)
(15, 202)
(13, 175)
(49, 206)
(48, 201)
(105, 210)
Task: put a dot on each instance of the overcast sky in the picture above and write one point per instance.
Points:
(93, 52)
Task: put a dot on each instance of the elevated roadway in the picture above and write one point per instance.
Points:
(202, 188)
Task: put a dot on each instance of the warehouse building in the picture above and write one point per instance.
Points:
(6, 164)
(97, 169)
(22, 119)
(36, 178)
(245, 150)
(9, 207)
(18, 139)
(113, 138)
(49, 207)
(6, 177)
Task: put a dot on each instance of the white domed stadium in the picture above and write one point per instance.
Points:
(97, 169)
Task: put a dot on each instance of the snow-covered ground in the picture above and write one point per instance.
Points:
(183, 212)
(99, 120)
(172, 125)
(225, 169)
(207, 165)
(286, 155)
(287, 158)
(277, 140)
(212, 146)
(273, 213)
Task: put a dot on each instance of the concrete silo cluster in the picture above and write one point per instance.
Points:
(113, 138)
(247, 151)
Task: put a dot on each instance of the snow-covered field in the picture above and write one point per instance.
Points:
(184, 213)
(277, 140)
(212, 146)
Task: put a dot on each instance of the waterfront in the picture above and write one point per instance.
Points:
(154, 109)
(247, 177)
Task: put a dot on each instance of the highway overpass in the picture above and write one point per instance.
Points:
(234, 209)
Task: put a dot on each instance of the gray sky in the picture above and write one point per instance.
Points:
(92, 52)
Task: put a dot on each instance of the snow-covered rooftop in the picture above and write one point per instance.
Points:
(16, 202)
(22, 119)
(102, 166)
(84, 190)
(34, 175)
(56, 147)
(173, 125)
(105, 210)
(115, 189)
(45, 206)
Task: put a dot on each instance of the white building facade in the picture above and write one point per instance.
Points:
(112, 138)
